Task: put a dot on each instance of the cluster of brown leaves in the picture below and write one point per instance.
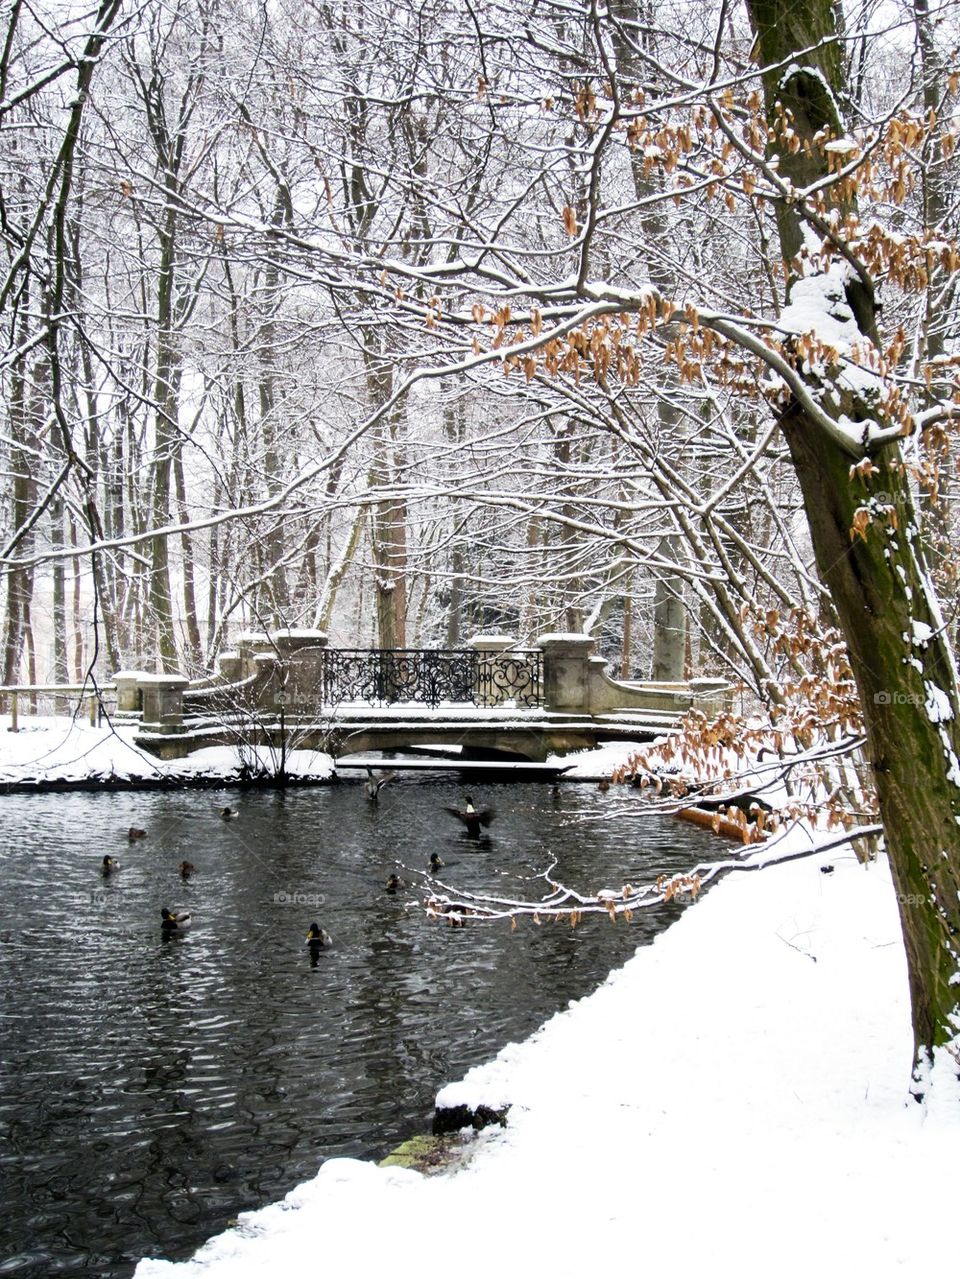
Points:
(824, 694)
(708, 756)
(727, 142)
(671, 886)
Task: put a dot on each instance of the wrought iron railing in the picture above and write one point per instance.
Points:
(430, 677)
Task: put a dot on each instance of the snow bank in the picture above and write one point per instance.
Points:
(733, 1099)
(58, 750)
(598, 764)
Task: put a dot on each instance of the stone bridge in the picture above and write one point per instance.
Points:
(491, 698)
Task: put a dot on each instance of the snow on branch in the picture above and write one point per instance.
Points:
(564, 904)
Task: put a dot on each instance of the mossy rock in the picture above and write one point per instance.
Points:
(426, 1154)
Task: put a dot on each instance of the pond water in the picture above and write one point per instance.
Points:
(152, 1088)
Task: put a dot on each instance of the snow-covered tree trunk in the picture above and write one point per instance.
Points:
(867, 544)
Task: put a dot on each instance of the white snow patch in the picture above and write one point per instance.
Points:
(52, 748)
(922, 633)
(937, 704)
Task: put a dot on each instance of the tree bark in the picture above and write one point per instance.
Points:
(868, 551)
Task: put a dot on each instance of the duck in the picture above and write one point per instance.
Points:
(173, 922)
(472, 818)
(186, 869)
(394, 882)
(228, 813)
(603, 785)
(109, 865)
(455, 914)
(375, 783)
(318, 937)
(135, 833)
(436, 861)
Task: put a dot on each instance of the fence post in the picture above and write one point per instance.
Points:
(300, 659)
(487, 649)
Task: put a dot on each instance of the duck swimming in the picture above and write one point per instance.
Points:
(135, 833)
(109, 865)
(318, 937)
(172, 922)
(472, 818)
(186, 869)
(454, 913)
(394, 882)
(228, 813)
(436, 861)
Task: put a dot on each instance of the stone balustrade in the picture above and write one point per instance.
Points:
(284, 670)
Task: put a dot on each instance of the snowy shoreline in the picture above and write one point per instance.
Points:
(50, 754)
(735, 1096)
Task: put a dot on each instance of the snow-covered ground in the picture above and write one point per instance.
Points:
(57, 750)
(734, 1100)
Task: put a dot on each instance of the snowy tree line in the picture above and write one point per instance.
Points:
(200, 343)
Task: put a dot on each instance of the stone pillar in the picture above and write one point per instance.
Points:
(567, 672)
(229, 666)
(299, 655)
(128, 690)
(488, 694)
(162, 702)
(249, 644)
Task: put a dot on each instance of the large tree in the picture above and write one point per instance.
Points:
(844, 435)
(754, 120)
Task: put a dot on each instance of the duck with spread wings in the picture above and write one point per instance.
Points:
(473, 818)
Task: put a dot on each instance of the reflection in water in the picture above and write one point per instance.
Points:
(156, 1084)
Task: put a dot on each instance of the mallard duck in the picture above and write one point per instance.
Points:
(472, 818)
(228, 813)
(318, 937)
(455, 914)
(436, 861)
(173, 922)
(109, 865)
(135, 833)
(394, 882)
(375, 783)
(186, 869)
(603, 785)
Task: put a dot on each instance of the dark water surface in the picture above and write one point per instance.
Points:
(152, 1088)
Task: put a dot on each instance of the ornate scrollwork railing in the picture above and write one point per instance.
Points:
(380, 677)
